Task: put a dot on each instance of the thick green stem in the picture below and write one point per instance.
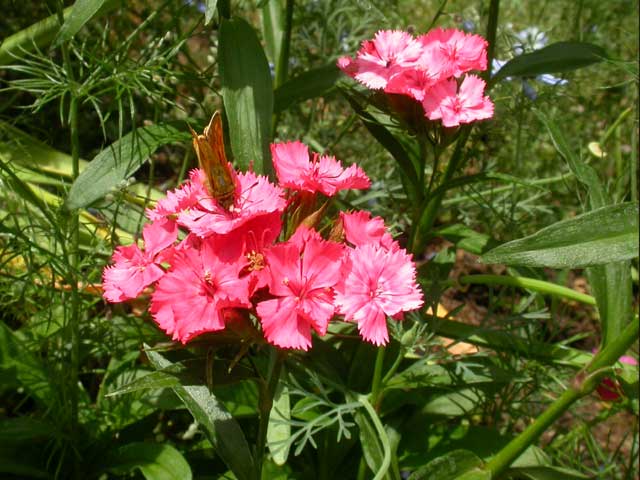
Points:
(533, 284)
(584, 383)
(492, 28)
(282, 62)
(376, 383)
(267, 392)
(426, 217)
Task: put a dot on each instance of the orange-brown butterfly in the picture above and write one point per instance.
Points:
(219, 176)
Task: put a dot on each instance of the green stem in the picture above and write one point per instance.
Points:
(492, 28)
(376, 383)
(267, 392)
(382, 435)
(282, 63)
(584, 383)
(533, 284)
(426, 216)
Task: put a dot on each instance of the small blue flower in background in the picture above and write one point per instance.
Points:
(468, 26)
(198, 4)
(531, 38)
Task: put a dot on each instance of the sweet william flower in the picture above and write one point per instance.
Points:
(380, 59)
(135, 269)
(192, 297)
(377, 283)
(322, 173)
(182, 198)
(451, 52)
(302, 272)
(454, 106)
(360, 229)
(256, 196)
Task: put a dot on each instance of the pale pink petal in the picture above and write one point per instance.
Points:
(282, 325)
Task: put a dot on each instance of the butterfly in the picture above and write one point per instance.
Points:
(219, 176)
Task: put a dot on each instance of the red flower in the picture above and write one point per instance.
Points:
(302, 274)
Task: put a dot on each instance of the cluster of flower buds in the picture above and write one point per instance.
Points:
(259, 254)
(431, 68)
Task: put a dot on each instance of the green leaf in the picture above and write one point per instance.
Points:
(154, 380)
(118, 162)
(467, 239)
(456, 465)
(606, 235)
(272, 32)
(247, 92)
(82, 12)
(279, 429)
(371, 448)
(156, 461)
(221, 428)
(547, 473)
(555, 58)
(209, 10)
(310, 84)
(583, 172)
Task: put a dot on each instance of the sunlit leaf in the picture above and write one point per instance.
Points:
(154, 460)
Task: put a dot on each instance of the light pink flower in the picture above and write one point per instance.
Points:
(323, 174)
(302, 274)
(452, 52)
(381, 58)
(135, 269)
(191, 298)
(256, 196)
(378, 283)
(455, 106)
(360, 229)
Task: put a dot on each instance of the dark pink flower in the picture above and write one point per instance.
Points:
(302, 274)
(377, 283)
(296, 170)
(609, 389)
(455, 106)
(386, 55)
(452, 52)
(136, 269)
(192, 297)
(412, 82)
(360, 229)
(256, 196)
(182, 198)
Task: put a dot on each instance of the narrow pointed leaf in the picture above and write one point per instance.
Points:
(555, 58)
(209, 10)
(310, 84)
(272, 15)
(221, 428)
(608, 234)
(82, 12)
(279, 429)
(247, 92)
(119, 161)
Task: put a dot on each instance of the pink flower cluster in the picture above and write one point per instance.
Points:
(431, 68)
(205, 262)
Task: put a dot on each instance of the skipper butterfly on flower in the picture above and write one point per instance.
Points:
(209, 147)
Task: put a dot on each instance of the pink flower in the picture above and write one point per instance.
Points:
(256, 196)
(388, 53)
(609, 389)
(180, 199)
(455, 106)
(378, 283)
(360, 229)
(302, 274)
(412, 82)
(192, 297)
(134, 269)
(323, 174)
(452, 52)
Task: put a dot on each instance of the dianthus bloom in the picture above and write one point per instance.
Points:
(303, 272)
(378, 283)
(191, 298)
(455, 105)
(428, 69)
(136, 269)
(322, 173)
